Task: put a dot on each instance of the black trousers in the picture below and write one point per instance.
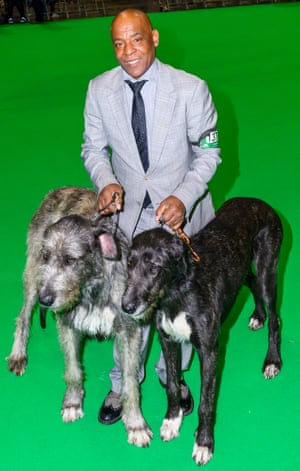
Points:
(39, 9)
(20, 6)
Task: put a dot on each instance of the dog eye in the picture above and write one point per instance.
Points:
(131, 263)
(44, 255)
(68, 260)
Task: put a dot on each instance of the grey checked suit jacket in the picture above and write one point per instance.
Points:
(184, 115)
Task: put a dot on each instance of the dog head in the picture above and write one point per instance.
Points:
(72, 259)
(155, 259)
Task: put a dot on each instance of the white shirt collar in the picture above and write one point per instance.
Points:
(150, 74)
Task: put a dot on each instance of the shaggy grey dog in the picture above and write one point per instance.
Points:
(76, 267)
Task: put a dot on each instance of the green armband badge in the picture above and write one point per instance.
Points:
(209, 140)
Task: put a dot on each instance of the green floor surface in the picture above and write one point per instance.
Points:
(250, 58)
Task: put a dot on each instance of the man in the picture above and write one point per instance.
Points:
(182, 154)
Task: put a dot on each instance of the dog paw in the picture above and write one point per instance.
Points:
(255, 323)
(17, 365)
(271, 371)
(71, 413)
(140, 437)
(170, 428)
(201, 454)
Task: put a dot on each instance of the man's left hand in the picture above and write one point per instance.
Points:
(171, 211)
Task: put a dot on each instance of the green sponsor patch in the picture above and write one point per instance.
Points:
(210, 141)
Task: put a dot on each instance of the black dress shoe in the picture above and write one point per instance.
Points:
(111, 409)
(186, 399)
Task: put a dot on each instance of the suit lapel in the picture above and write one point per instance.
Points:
(164, 107)
(122, 121)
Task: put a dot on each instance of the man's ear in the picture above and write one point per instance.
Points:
(108, 246)
(155, 36)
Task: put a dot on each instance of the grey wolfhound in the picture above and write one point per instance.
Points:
(77, 268)
(189, 299)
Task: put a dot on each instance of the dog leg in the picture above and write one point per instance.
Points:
(272, 363)
(17, 359)
(264, 289)
(173, 418)
(204, 443)
(128, 341)
(70, 342)
(257, 320)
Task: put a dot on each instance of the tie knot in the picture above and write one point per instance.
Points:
(136, 87)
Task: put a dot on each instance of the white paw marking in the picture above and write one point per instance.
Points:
(70, 414)
(141, 438)
(170, 428)
(201, 454)
(271, 371)
(255, 324)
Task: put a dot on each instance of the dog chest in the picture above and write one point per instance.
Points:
(178, 329)
(95, 320)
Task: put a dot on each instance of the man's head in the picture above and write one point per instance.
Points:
(134, 41)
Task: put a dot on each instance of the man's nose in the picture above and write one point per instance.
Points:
(129, 48)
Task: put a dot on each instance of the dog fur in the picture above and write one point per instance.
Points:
(76, 268)
(189, 300)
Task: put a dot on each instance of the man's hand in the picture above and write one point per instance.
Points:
(171, 211)
(105, 200)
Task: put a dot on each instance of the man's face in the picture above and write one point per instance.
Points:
(134, 43)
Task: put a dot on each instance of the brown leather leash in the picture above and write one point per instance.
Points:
(182, 235)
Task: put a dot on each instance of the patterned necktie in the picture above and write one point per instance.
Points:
(138, 121)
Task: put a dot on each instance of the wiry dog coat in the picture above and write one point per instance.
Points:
(77, 268)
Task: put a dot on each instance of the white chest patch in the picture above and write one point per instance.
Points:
(178, 329)
(95, 321)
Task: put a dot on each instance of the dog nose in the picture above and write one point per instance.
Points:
(129, 308)
(47, 300)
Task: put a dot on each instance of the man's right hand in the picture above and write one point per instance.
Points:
(107, 202)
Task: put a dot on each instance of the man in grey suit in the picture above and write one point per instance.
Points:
(181, 143)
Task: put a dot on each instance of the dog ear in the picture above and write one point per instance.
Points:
(108, 246)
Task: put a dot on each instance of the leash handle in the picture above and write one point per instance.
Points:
(182, 235)
(113, 201)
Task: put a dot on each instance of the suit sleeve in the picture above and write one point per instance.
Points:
(201, 118)
(95, 150)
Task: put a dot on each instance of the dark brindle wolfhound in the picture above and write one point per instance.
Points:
(189, 299)
(76, 268)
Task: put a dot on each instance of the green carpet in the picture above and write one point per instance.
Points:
(250, 58)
